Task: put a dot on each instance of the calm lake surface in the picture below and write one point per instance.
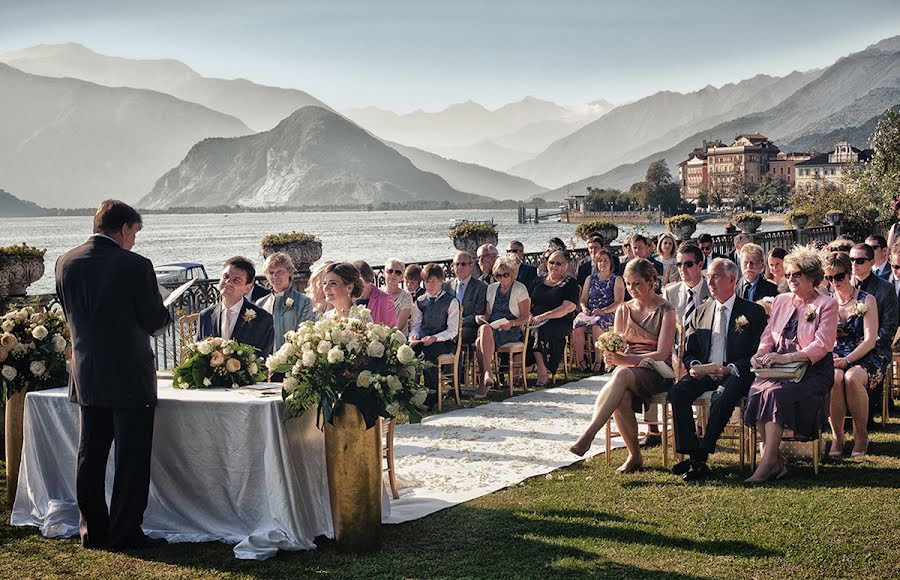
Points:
(372, 236)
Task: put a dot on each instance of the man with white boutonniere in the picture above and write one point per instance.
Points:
(722, 336)
(235, 317)
(287, 306)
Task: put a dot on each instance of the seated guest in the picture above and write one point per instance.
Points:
(256, 292)
(594, 246)
(471, 294)
(507, 298)
(686, 296)
(527, 273)
(895, 270)
(724, 332)
(861, 257)
(235, 317)
(627, 255)
(858, 366)
(705, 241)
(641, 246)
(775, 271)
(801, 328)
(379, 303)
(753, 285)
(342, 285)
(435, 324)
(314, 290)
(403, 302)
(648, 323)
(412, 277)
(667, 248)
(487, 254)
(739, 240)
(842, 243)
(553, 300)
(880, 266)
(600, 296)
(287, 306)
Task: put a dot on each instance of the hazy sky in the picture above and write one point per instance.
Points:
(424, 54)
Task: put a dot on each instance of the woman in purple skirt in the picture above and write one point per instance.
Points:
(802, 328)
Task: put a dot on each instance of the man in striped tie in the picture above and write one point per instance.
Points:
(687, 295)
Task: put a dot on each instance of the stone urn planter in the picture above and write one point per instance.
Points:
(20, 267)
(834, 217)
(798, 218)
(469, 236)
(304, 250)
(605, 229)
(747, 222)
(682, 226)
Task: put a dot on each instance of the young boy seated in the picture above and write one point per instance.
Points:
(435, 323)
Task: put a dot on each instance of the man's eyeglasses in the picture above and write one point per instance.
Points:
(859, 261)
(392, 272)
(503, 275)
(458, 264)
(895, 267)
(839, 277)
(706, 248)
(557, 263)
(793, 275)
(685, 264)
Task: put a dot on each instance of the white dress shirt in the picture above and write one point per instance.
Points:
(270, 304)
(696, 290)
(452, 320)
(228, 323)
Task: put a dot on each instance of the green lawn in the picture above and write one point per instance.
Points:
(580, 521)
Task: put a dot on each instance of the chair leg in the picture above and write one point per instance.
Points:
(456, 380)
(741, 441)
(665, 434)
(440, 396)
(753, 448)
(524, 374)
(817, 452)
(608, 441)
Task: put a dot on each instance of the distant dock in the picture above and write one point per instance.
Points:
(566, 215)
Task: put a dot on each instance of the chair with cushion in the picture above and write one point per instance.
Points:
(511, 349)
(452, 361)
(187, 330)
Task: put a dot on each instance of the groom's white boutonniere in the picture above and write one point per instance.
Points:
(810, 313)
(740, 323)
(860, 309)
(288, 303)
(249, 316)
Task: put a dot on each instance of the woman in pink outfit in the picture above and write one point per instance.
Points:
(379, 303)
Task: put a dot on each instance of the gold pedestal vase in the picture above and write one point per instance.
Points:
(353, 458)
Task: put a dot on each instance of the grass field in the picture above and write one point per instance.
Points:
(579, 521)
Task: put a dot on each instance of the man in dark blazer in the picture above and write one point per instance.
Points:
(487, 254)
(753, 286)
(725, 332)
(471, 293)
(258, 292)
(235, 317)
(688, 294)
(705, 242)
(881, 267)
(112, 304)
(862, 256)
(586, 267)
(527, 274)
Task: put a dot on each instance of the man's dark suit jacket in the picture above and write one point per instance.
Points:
(259, 291)
(258, 333)
(886, 273)
(474, 303)
(884, 294)
(712, 257)
(764, 289)
(112, 303)
(739, 346)
(527, 275)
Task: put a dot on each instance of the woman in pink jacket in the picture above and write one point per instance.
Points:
(379, 303)
(802, 328)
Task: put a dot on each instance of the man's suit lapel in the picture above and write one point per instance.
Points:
(241, 327)
(216, 329)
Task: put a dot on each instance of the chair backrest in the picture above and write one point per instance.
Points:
(187, 330)
(682, 342)
(459, 333)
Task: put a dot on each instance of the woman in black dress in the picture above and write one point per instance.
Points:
(553, 301)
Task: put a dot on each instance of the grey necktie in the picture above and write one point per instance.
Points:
(720, 330)
(689, 310)
(226, 330)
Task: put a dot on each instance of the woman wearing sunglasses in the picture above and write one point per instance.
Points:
(553, 301)
(802, 328)
(858, 368)
(403, 302)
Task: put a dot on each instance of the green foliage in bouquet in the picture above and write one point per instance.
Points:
(284, 238)
(216, 363)
(350, 361)
(33, 350)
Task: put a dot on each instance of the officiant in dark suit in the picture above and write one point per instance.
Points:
(725, 332)
(471, 293)
(112, 304)
(235, 317)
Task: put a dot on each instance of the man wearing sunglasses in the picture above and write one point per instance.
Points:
(706, 246)
(862, 257)
(471, 293)
(686, 296)
(881, 267)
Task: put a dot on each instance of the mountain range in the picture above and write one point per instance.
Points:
(12, 206)
(314, 157)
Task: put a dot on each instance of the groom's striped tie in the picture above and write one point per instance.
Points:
(689, 311)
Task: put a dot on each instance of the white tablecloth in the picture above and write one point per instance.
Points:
(224, 468)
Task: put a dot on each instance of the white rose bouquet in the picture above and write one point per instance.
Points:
(218, 363)
(611, 341)
(34, 350)
(354, 361)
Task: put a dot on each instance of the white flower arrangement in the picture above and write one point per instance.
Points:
(217, 363)
(351, 360)
(611, 341)
(740, 323)
(34, 348)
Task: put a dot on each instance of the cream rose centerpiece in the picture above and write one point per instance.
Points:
(217, 363)
(333, 362)
(33, 347)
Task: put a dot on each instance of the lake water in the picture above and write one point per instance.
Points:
(372, 236)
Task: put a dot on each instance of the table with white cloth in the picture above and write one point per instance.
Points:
(225, 467)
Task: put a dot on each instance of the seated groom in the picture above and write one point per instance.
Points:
(725, 332)
(287, 306)
(235, 318)
(435, 323)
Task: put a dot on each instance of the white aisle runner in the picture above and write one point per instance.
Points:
(458, 456)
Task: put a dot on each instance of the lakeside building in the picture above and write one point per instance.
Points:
(742, 164)
(782, 165)
(826, 168)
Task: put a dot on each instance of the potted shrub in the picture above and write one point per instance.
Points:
(682, 226)
(304, 250)
(604, 228)
(20, 267)
(798, 218)
(747, 222)
(834, 216)
(468, 236)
